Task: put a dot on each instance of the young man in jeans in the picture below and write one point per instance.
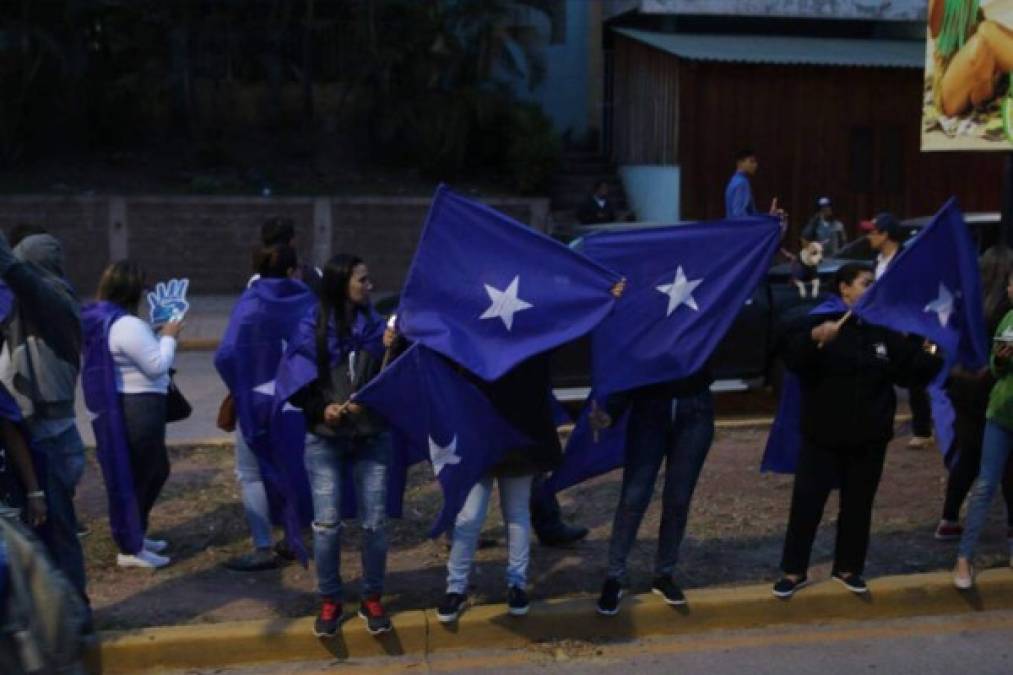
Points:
(39, 366)
(673, 422)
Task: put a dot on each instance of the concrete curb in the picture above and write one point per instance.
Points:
(418, 631)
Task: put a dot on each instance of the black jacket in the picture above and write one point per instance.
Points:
(847, 385)
(344, 381)
(590, 213)
(523, 398)
(617, 403)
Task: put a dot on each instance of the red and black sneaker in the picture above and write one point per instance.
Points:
(375, 616)
(948, 531)
(328, 619)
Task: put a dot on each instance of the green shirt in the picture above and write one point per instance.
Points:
(1000, 401)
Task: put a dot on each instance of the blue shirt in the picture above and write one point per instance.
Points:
(739, 197)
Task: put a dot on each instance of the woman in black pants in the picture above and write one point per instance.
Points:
(142, 360)
(847, 371)
(968, 393)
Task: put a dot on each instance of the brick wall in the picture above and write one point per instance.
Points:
(210, 239)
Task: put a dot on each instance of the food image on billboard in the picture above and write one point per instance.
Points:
(968, 100)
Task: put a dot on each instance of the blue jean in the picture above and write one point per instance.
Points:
(64, 455)
(368, 458)
(251, 489)
(514, 495)
(682, 439)
(995, 450)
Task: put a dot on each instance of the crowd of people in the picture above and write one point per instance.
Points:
(848, 370)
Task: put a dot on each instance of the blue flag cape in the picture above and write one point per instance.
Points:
(687, 283)
(263, 321)
(784, 442)
(489, 292)
(297, 369)
(444, 418)
(98, 382)
(933, 289)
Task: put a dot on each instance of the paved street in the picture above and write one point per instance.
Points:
(979, 644)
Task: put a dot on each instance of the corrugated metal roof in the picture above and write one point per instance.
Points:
(785, 50)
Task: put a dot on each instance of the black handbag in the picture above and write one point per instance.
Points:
(176, 406)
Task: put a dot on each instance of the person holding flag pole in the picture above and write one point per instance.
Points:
(338, 348)
(847, 370)
(836, 417)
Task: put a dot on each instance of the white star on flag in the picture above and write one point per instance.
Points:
(443, 455)
(505, 303)
(680, 292)
(942, 306)
(267, 389)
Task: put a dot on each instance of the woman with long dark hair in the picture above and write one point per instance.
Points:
(346, 338)
(140, 362)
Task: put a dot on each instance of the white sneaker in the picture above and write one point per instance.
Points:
(155, 545)
(144, 559)
(961, 581)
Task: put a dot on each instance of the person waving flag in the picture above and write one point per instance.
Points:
(686, 285)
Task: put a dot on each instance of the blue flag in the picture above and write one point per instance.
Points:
(687, 283)
(589, 454)
(784, 442)
(489, 292)
(933, 289)
(445, 419)
(98, 382)
(297, 369)
(262, 324)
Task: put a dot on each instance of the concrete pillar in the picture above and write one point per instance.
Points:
(119, 246)
(323, 225)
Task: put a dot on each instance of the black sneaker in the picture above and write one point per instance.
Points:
(611, 594)
(328, 619)
(375, 616)
(666, 588)
(785, 587)
(562, 535)
(451, 607)
(517, 601)
(284, 553)
(259, 560)
(853, 582)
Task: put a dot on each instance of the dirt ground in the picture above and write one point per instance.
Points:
(735, 535)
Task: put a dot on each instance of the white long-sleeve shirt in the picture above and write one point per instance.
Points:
(142, 359)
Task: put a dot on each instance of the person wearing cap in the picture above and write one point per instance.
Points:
(885, 238)
(825, 229)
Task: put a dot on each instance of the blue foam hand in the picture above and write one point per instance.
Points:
(168, 302)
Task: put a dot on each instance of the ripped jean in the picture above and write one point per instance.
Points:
(368, 458)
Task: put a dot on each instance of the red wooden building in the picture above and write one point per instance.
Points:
(826, 116)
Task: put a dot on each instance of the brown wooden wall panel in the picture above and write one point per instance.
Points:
(646, 104)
